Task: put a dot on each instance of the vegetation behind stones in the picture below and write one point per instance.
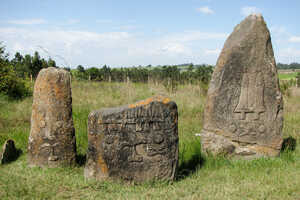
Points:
(199, 177)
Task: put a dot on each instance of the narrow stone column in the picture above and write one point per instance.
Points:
(52, 137)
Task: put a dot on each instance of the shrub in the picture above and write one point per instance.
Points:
(285, 87)
(11, 85)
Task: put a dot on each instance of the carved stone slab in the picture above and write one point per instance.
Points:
(137, 142)
(243, 113)
(9, 152)
(52, 136)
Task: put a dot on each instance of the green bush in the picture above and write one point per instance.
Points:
(11, 85)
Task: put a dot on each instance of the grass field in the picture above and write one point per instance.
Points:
(287, 76)
(199, 177)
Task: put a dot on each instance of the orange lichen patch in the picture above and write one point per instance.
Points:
(145, 102)
(102, 165)
(166, 100)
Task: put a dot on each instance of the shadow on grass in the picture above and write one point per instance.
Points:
(191, 159)
(81, 159)
(289, 144)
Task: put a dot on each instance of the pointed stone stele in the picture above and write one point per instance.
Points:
(244, 108)
(52, 135)
(9, 152)
(137, 142)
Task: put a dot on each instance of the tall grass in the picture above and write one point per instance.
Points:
(199, 177)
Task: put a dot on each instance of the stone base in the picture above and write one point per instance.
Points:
(214, 144)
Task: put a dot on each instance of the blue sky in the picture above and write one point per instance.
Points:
(140, 32)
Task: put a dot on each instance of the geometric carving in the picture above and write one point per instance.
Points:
(252, 95)
(137, 143)
(244, 106)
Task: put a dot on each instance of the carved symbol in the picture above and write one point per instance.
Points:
(158, 139)
(49, 149)
(139, 126)
(109, 139)
(232, 128)
(134, 156)
(156, 126)
(261, 128)
(252, 95)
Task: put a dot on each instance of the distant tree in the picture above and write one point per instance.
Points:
(28, 64)
(18, 65)
(80, 68)
(93, 73)
(51, 63)
(10, 83)
(190, 68)
(37, 64)
(67, 69)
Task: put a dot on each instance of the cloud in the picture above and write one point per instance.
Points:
(212, 51)
(205, 10)
(288, 55)
(119, 48)
(72, 45)
(27, 21)
(294, 39)
(175, 48)
(189, 36)
(247, 10)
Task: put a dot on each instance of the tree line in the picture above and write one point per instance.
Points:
(29, 66)
(288, 66)
(18, 73)
(192, 74)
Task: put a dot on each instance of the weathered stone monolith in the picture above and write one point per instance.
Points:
(137, 142)
(244, 108)
(52, 136)
(9, 152)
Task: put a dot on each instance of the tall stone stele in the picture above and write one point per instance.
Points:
(52, 136)
(244, 108)
(137, 142)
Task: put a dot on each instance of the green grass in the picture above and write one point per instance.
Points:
(287, 76)
(199, 177)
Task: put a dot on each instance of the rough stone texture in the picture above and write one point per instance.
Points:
(137, 142)
(52, 136)
(9, 152)
(243, 113)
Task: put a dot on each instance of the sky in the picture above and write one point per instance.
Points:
(123, 33)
